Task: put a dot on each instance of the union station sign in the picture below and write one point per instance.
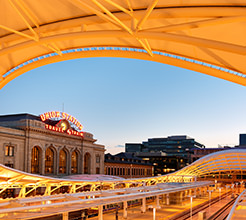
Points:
(63, 124)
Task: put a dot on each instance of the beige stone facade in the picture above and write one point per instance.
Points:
(25, 144)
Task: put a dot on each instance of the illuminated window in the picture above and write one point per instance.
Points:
(62, 161)
(49, 161)
(74, 165)
(9, 151)
(9, 165)
(35, 160)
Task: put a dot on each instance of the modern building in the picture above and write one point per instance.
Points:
(50, 144)
(162, 163)
(167, 154)
(242, 140)
(127, 165)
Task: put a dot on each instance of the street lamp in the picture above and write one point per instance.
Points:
(227, 187)
(154, 207)
(215, 183)
(191, 199)
(232, 191)
(241, 185)
(236, 187)
(209, 191)
(154, 213)
(220, 191)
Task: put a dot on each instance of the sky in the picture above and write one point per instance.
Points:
(128, 101)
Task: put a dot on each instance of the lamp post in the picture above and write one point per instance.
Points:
(227, 187)
(210, 192)
(232, 190)
(154, 209)
(191, 199)
(220, 191)
(236, 187)
(241, 185)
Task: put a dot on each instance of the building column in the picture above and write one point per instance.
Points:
(181, 197)
(69, 165)
(92, 163)
(125, 209)
(195, 191)
(100, 212)
(157, 201)
(65, 216)
(56, 166)
(102, 163)
(42, 162)
(200, 192)
(144, 205)
(167, 199)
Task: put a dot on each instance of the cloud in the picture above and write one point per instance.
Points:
(119, 146)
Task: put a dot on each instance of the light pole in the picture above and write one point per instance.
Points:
(220, 191)
(191, 199)
(154, 213)
(210, 192)
(241, 186)
(227, 187)
(236, 187)
(232, 189)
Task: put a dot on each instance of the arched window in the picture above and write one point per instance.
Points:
(87, 163)
(62, 161)
(49, 161)
(35, 161)
(74, 164)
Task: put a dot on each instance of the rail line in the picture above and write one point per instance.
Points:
(218, 215)
(222, 213)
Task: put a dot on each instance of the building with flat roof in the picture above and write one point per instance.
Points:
(127, 165)
(242, 140)
(49, 144)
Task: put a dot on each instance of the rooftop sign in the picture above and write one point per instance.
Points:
(63, 125)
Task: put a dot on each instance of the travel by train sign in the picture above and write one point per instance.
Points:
(63, 124)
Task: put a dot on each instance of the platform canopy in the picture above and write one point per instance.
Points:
(222, 162)
(206, 36)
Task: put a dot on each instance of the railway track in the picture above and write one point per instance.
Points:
(220, 214)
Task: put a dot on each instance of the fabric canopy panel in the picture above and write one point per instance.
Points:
(227, 161)
(204, 36)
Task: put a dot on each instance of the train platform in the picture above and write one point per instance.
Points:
(173, 211)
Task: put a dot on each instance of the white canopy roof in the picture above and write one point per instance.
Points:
(227, 161)
(205, 36)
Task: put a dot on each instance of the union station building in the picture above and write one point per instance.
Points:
(50, 144)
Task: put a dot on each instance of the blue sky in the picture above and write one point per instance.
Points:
(122, 100)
